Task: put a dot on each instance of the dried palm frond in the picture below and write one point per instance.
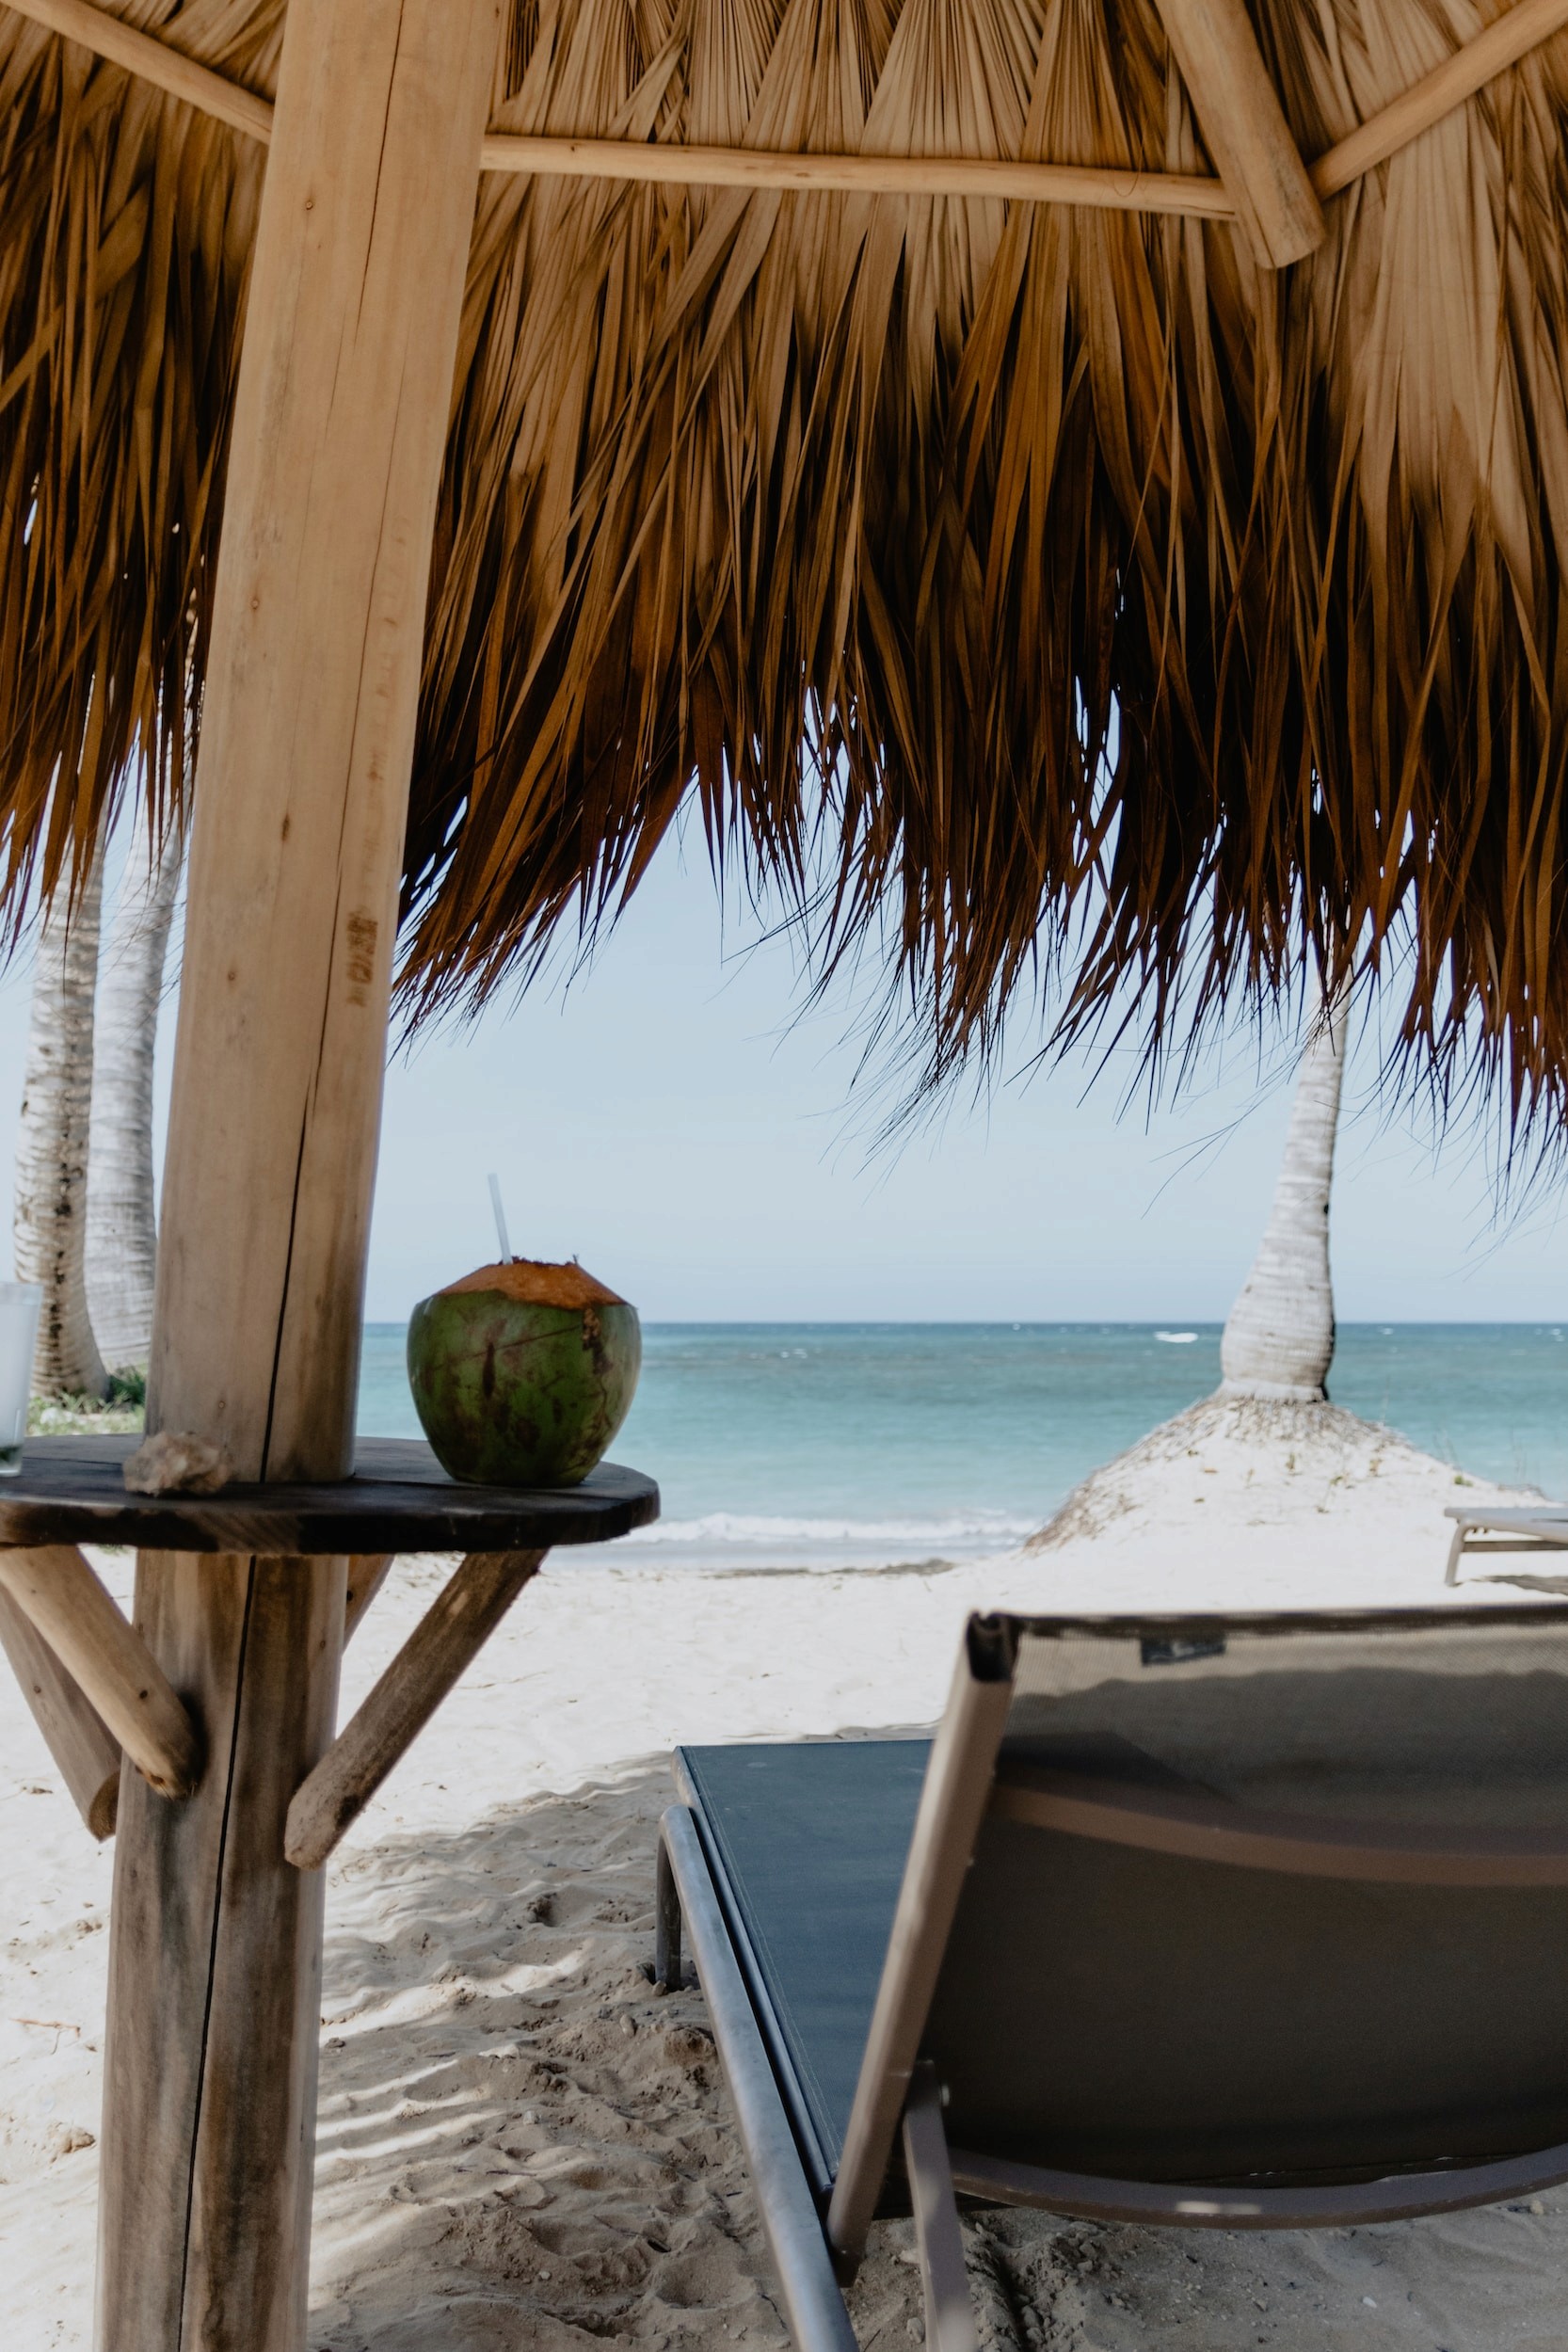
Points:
(781, 574)
(1036, 560)
(127, 226)
(1031, 588)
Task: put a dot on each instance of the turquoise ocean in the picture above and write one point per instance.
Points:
(781, 1444)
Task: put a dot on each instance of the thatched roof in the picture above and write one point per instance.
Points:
(1055, 580)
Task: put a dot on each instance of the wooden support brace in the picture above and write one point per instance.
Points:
(86, 1753)
(446, 1640)
(109, 1660)
(1505, 40)
(155, 59)
(1244, 127)
(367, 1573)
(85, 1750)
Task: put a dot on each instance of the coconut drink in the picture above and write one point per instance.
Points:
(522, 1373)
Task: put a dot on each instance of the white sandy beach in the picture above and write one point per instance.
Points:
(520, 2144)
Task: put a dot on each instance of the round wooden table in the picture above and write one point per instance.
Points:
(71, 1490)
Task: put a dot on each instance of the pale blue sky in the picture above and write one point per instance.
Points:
(663, 1119)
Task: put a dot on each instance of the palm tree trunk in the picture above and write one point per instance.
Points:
(51, 1142)
(1279, 1340)
(123, 1231)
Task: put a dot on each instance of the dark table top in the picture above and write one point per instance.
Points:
(70, 1491)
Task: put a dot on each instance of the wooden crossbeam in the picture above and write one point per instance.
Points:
(1439, 93)
(85, 1751)
(109, 1662)
(1506, 39)
(447, 1638)
(671, 165)
(153, 59)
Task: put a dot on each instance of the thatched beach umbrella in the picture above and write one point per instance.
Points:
(962, 442)
(870, 521)
(900, 516)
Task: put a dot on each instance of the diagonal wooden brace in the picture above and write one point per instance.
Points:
(367, 1573)
(109, 1662)
(86, 1753)
(1244, 128)
(447, 1638)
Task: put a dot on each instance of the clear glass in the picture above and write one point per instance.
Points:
(19, 1303)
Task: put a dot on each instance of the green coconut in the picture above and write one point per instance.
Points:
(523, 1372)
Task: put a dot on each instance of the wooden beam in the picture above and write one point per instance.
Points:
(153, 59)
(639, 160)
(301, 806)
(306, 744)
(1506, 39)
(1503, 45)
(447, 1638)
(1244, 128)
(85, 1751)
(109, 1662)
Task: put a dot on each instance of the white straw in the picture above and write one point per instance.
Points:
(500, 1221)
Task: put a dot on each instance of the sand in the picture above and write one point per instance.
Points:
(521, 2144)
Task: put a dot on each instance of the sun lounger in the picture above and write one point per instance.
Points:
(1255, 1923)
(1519, 1528)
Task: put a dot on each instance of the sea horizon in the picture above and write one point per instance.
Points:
(882, 1444)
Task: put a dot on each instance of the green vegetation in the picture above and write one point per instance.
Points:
(122, 1410)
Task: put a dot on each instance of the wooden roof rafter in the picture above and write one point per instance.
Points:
(1265, 183)
(1244, 128)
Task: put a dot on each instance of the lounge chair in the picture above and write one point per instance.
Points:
(1245, 1923)
(1507, 1528)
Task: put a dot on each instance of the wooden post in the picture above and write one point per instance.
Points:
(210, 2064)
(300, 806)
(307, 742)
